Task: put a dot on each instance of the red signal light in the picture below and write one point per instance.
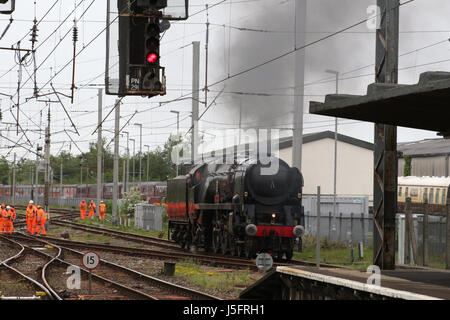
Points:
(152, 57)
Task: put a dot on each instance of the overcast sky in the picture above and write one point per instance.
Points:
(243, 33)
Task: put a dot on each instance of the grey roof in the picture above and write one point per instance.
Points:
(311, 137)
(428, 147)
(421, 106)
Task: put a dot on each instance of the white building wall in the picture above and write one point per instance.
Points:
(354, 174)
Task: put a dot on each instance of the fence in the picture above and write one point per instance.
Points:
(424, 233)
(60, 202)
(351, 223)
(421, 228)
(148, 217)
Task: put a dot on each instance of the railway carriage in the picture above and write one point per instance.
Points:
(432, 189)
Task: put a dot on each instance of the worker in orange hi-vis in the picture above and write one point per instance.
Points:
(31, 217)
(41, 219)
(102, 210)
(13, 213)
(2, 208)
(92, 210)
(7, 221)
(83, 208)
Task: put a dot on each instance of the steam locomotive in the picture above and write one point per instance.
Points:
(237, 209)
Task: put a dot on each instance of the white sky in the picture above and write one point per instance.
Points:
(422, 23)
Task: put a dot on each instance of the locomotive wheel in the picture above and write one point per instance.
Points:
(215, 241)
(239, 250)
(224, 244)
(279, 255)
(248, 249)
(289, 255)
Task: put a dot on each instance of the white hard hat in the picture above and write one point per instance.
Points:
(31, 201)
(8, 207)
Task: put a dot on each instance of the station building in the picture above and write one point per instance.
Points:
(429, 157)
(354, 164)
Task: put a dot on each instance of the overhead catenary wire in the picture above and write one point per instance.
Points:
(250, 93)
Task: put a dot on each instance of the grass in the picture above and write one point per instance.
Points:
(213, 279)
(131, 229)
(337, 253)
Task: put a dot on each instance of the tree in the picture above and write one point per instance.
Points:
(407, 167)
(4, 170)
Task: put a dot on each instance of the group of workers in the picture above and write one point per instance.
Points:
(36, 219)
(36, 216)
(92, 207)
(7, 217)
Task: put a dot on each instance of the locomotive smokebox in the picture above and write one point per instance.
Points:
(276, 188)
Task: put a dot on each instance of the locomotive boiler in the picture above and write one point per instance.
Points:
(237, 209)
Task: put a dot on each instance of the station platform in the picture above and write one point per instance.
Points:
(312, 283)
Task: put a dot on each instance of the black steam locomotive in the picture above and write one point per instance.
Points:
(237, 209)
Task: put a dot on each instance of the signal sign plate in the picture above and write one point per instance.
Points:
(90, 260)
(264, 261)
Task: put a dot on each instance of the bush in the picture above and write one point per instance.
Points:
(129, 200)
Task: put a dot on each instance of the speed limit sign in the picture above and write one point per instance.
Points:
(90, 260)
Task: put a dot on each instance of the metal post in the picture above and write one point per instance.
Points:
(447, 234)
(14, 181)
(240, 120)
(351, 228)
(140, 153)
(36, 180)
(411, 232)
(363, 229)
(178, 133)
(47, 170)
(385, 154)
(148, 162)
(425, 233)
(127, 176)
(116, 163)
(336, 73)
(195, 99)
(99, 149)
(300, 35)
(329, 225)
(134, 153)
(61, 195)
(318, 229)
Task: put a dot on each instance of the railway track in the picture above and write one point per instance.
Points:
(124, 282)
(176, 252)
(17, 283)
(202, 257)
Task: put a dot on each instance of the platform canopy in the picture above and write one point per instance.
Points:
(425, 105)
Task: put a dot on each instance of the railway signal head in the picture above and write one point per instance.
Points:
(139, 51)
(151, 71)
(152, 4)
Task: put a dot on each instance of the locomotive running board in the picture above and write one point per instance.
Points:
(215, 206)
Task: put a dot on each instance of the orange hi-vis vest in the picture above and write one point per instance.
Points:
(6, 215)
(83, 207)
(41, 216)
(102, 208)
(31, 213)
